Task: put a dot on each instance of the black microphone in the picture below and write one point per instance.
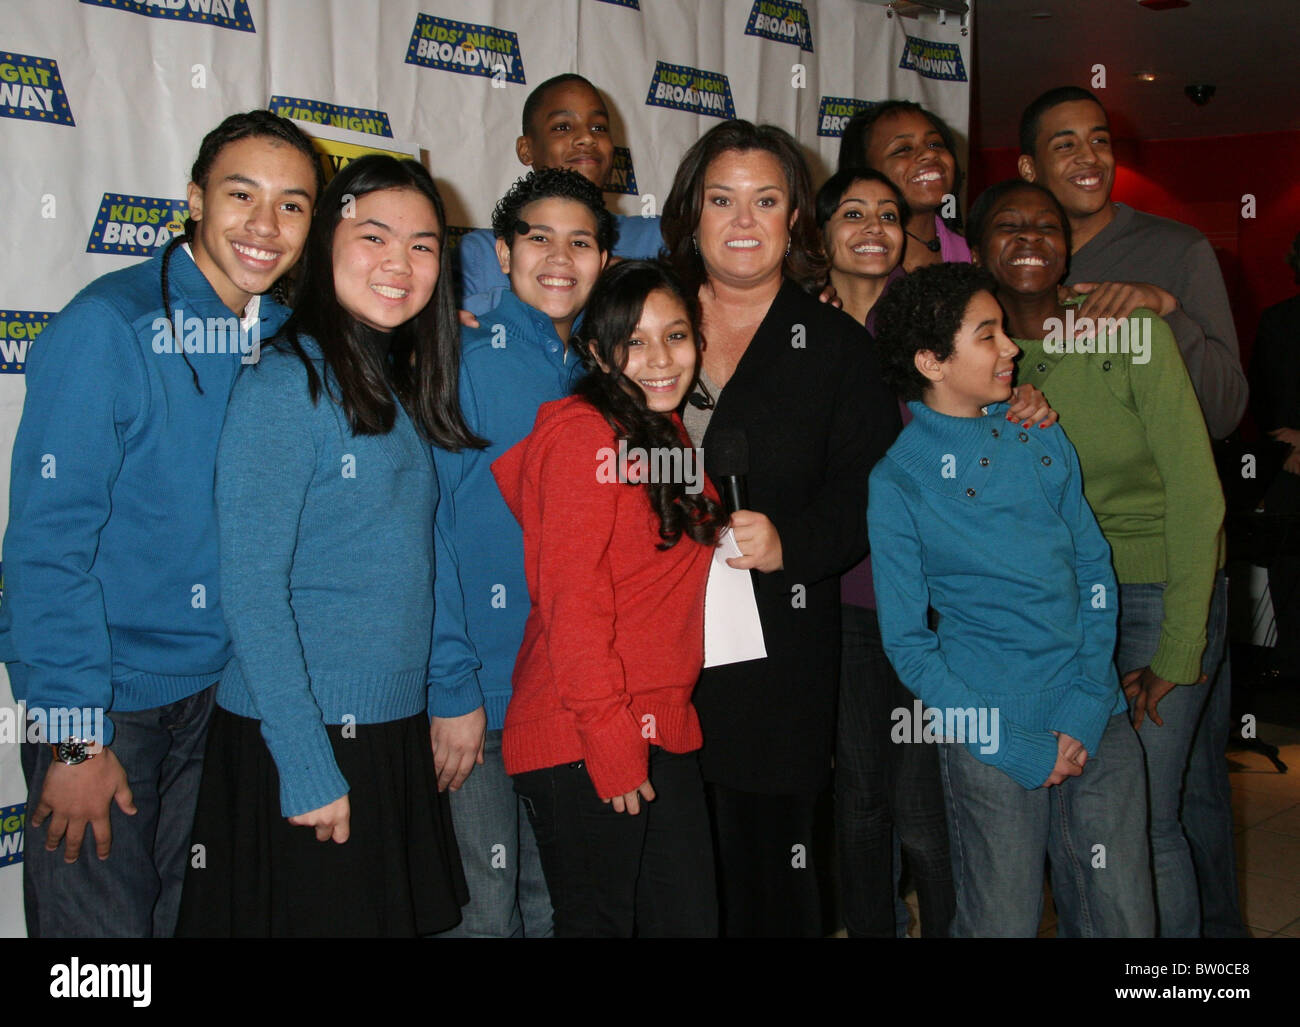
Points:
(728, 459)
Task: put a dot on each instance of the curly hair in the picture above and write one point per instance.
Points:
(543, 185)
(924, 311)
(612, 314)
(805, 263)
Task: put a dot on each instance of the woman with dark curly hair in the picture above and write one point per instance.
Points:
(601, 737)
(796, 381)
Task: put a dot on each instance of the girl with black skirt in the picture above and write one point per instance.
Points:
(319, 813)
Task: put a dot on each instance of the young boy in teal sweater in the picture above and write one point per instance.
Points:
(1038, 757)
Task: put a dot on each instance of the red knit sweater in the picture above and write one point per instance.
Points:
(615, 634)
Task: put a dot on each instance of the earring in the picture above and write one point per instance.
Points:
(695, 244)
(787, 247)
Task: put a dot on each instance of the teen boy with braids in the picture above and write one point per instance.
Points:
(112, 604)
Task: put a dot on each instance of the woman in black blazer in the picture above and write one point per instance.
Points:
(800, 380)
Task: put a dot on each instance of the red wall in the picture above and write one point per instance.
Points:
(1201, 182)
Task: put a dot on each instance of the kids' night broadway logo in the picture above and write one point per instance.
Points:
(782, 20)
(18, 330)
(834, 112)
(465, 48)
(226, 14)
(30, 88)
(622, 178)
(356, 119)
(134, 226)
(933, 60)
(12, 821)
(684, 88)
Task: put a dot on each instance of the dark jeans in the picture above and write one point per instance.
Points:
(614, 875)
(136, 892)
(882, 786)
(767, 874)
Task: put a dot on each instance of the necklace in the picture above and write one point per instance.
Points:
(932, 245)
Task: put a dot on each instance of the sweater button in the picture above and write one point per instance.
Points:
(1047, 461)
(1105, 365)
(984, 461)
(1023, 437)
(970, 492)
(1041, 367)
(995, 433)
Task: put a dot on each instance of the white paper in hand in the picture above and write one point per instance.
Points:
(732, 629)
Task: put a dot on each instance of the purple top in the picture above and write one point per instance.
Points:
(855, 584)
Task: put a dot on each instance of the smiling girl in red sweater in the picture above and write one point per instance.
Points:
(600, 735)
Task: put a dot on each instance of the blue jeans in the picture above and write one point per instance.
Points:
(1092, 828)
(136, 892)
(1188, 712)
(1207, 812)
(507, 889)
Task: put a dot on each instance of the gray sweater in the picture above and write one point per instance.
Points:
(1138, 247)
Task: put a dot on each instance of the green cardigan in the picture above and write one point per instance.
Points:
(1148, 472)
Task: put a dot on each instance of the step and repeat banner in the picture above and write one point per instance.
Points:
(103, 104)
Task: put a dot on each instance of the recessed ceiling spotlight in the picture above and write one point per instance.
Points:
(1040, 14)
(1146, 76)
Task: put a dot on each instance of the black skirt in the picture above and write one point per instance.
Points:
(256, 875)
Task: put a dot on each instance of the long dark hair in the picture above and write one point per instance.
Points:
(805, 263)
(423, 366)
(611, 318)
(255, 124)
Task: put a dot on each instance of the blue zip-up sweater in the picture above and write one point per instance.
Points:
(112, 598)
(986, 522)
(327, 555)
(510, 365)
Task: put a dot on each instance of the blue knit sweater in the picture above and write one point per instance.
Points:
(327, 558)
(986, 523)
(112, 598)
(510, 365)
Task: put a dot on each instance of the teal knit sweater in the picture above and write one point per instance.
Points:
(327, 559)
(986, 523)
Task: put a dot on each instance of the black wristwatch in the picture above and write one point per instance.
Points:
(72, 751)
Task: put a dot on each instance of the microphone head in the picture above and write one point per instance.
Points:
(728, 453)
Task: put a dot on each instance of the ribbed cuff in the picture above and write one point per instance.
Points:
(309, 775)
(1083, 715)
(1178, 661)
(618, 757)
(455, 698)
(1027, 757)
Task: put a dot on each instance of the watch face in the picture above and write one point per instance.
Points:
(73, 751)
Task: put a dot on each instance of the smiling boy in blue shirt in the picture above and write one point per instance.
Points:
(984, 523)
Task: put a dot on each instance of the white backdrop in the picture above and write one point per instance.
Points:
(103, 104)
